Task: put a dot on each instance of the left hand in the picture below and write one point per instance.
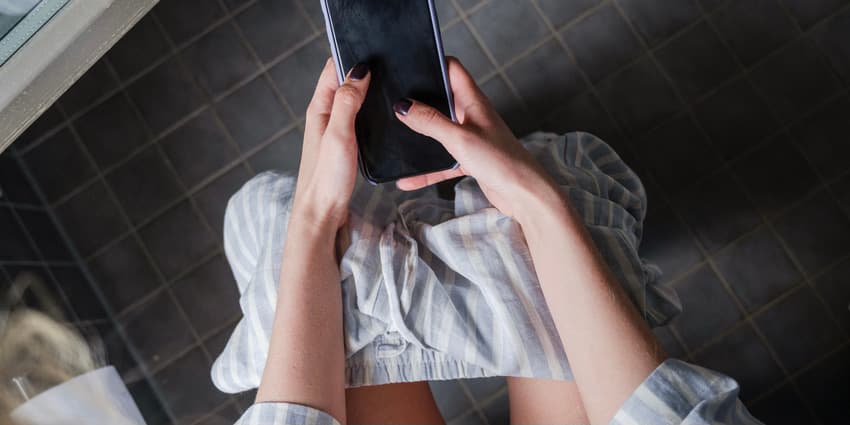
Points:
(328, 168)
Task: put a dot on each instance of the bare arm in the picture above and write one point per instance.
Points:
(306, 356)
(611, 350)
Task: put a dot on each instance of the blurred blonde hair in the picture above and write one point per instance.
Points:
(37, 352)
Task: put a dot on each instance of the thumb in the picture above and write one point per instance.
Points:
(430, 122)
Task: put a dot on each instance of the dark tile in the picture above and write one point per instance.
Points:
(91, 218)
(707, 309)
(718, 211)
(123, 273)
(508, 106)
(177, 240)
(602, 42)
(14, 245)
(45, 235)
(111, 131)
(235, 4)
(253, 113)
(187, 389)
(562, 12)
(758, 269)
(497, 22)
(822, 138)
(14, 186)
(46, 124)
(776, 175)
(678, 154)
(668, 341)
(832, 38)
(657, 19)
(754, 28)
(744, 357)
(450, 398)
(158, 331)
(735, 118)
(783, 407)
(794, 81)
(144, 185)
(148, 403)
(841, 190)
(799, 329)
(639, 97)
(710, 5)
(825, 387)
(78, 290)
(198, 149)
(498, 411)
(219, 60)
(94, 84)
(834, 288)
(216, 343)
(446, 11)
(583, 113)
(296, 76)
(226, 416)
(212, 284)
(117, 352)
(459, 42)
(482, 388)
(284, 154)
(668, 244)
(184, 19)
(816, 232)
(59, 165)
(212, 200)
(809, 12)
(470, 418)
(143, 45)
(697, 61)
(165, 95)
(546, 78)
(272, 27)
(314, 11)
(246, 399)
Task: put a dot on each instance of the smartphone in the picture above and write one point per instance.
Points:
(400, 41)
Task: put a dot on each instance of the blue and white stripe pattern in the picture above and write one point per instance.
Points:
(676, 393)
(435, 289)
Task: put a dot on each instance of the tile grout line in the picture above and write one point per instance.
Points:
(66, 239)
(192, 203)
(476, 407)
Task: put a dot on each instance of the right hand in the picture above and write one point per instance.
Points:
(483, 145)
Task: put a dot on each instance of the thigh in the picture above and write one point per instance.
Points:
(400, 404)
(538, 402)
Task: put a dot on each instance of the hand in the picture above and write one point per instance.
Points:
(329, 154)
(483, 145)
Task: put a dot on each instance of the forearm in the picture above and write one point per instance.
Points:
(610, 348)
(306, 355)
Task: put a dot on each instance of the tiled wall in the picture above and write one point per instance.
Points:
(735, 113)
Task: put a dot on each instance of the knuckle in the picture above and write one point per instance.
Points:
(348, 95)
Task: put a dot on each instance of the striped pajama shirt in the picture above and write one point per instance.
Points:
(435, 289)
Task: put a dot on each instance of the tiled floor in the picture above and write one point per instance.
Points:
(735, 113)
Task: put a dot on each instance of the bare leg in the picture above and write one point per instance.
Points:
(539, 402)
(398, 404)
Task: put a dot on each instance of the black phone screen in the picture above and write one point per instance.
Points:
(397, 39)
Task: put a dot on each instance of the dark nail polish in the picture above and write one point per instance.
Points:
(403, 106)
(359, 72)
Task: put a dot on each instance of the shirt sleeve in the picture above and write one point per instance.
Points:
(678, 393)
(284, 414)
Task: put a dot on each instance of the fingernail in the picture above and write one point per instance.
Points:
(402, 107)
(359, 72)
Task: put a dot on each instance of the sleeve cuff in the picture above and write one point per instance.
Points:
(284, 414)
(681, 393)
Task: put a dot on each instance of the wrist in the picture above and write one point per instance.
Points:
(541, 206)
(310, 222)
